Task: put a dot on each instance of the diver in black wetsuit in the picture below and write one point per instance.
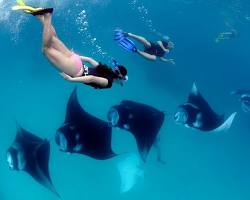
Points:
(154, 50)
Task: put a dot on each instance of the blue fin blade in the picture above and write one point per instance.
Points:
(128, 45)
(119, 35)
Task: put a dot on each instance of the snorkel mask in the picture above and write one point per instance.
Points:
(122, 79)
(166, 42)
(166, 38)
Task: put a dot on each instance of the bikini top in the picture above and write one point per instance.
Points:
(94, 72)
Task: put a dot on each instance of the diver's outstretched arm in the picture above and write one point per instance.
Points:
(86, 79)
(161, 45)
(227, 33)
(141, 39)
(93, 62)
(170, 61)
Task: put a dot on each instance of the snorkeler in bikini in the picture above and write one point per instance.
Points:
(70, 64)
(152, 50)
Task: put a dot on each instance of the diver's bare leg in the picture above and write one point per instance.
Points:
(41, 19)
(62, 62)
(141, 39)
(47, 35)
(59, 45)
(55, 41)
(146, 55)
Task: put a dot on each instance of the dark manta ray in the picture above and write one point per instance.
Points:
(143, 121)
(197, 113)
(30, 153)
(83, 133)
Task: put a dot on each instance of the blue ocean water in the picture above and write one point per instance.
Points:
(198, 166)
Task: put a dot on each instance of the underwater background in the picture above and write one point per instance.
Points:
(198, 165)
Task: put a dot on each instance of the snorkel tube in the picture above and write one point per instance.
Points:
(122, 79)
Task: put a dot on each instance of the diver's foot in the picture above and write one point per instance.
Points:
(135, 50)
(43, 11)
(172, 62)
(126, 34)
(40, 18)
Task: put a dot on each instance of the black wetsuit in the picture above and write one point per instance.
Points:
(155, 49)
(96, 72)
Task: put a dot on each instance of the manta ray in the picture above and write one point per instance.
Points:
(31, 154)
(142, 120)
(84, 133)
(198, 114)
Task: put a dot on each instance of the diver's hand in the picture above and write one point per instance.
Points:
(66, 76)
(166, 50)
(171, 61)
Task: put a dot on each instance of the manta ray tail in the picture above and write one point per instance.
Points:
(227, 124)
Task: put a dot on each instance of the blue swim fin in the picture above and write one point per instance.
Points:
(128, 45)
(119, 35)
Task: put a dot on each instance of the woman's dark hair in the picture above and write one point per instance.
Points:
(165, 44)
(122, 70)
(105, 70)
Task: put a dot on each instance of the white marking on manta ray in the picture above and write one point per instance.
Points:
(78, 148)
(227, 124)
(194, 90)
(21, 161)
(10, 160)
(192, 105)
(77, 137)
(126, 126)
(130, 172)
(198, 122)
